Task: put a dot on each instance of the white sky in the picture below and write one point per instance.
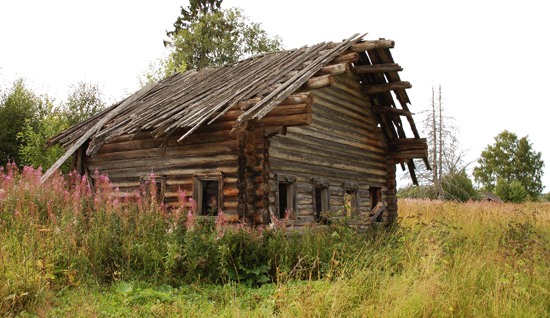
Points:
(489, 56)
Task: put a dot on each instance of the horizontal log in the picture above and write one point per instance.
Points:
(230, 192)
(226, 168)
(322, 150)
(290, 120)
(176, 161)
(391, 110)
(290, 166)
(376, 68)
(408, 154)
(315, 161)
(382, 88)
(299, 98)
(353, 107)
(246, 104)
(121, 153)
(319, 135)
(371, 45)
(346, 58)
(279, 110)
(335, 69)
(403, 144)
(319, 82)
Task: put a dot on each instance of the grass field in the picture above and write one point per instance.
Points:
(66, 250)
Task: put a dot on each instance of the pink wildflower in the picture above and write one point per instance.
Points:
(190, 222)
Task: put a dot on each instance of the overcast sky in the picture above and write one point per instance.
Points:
(490, 57)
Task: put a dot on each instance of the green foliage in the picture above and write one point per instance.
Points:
(220, 37)
(458, 187)
(190, 14)
(511, 191)
(33, 150)
(19, 107)
(69, 251)
(84, 101)
(206, 35)
(511, 159)
(29, 120)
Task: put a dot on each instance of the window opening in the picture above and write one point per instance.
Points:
(283, 199)
(207, 190)
(153, 187)
(210, 195)
(375, 197)
(321, 201)
(350, 202)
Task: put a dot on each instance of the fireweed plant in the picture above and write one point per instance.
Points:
(67, 233)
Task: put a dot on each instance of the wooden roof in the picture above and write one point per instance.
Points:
(186, 101)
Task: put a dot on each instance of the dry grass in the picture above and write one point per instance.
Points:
(68, 251)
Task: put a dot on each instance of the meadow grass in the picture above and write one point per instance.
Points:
(69, 250)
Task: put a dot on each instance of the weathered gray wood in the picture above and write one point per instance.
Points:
(381, 88)
(391, 110)
(378, 209)
(377, 68)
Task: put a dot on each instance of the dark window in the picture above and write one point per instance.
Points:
(209, 198)
(286, 196)
(375, 196)
(207, 190)
(153, 187)
(283, 199)
(321, 201)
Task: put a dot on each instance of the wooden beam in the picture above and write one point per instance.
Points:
(371, 45)
(376, 68)
(377, 210)
(335, 69)
(290, 120)
(382, 88)
(319, 82)
(346, 58)
(405, 144)
(390, 110)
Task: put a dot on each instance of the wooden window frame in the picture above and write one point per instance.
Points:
(324, 186)
(198, 182)
(160, 183)
(290, 182)
(355, 203)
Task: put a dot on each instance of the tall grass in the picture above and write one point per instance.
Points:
(66, 248)
(64, 234)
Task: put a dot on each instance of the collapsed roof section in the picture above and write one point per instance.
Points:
(186, 101)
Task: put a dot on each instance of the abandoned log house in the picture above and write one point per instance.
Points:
(297, 133)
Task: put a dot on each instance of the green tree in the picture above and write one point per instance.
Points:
(19, 106)
(84, 100)
(206, 35)
(219, 37)
(511, 191)
(458, 187)
(33, 150)
(509, 159)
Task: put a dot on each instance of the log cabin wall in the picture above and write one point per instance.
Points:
(343, 147)
(251, 126)
(211, 150)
